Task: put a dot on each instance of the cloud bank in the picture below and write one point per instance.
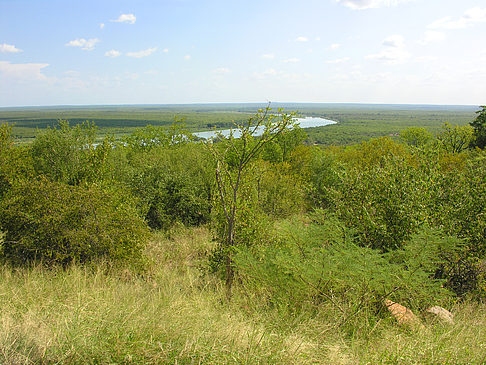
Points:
(23, 71)
(9, 48)
(370, 4)
(394, 51)
(471, 16)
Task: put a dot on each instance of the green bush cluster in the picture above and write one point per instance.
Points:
(386, 192)
(69, 154)
(57, 223)
(72, 197)
(295, 273)
(171, 184)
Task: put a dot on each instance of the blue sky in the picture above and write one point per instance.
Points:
(66, 52)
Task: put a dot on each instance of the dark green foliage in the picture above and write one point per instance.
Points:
(58, 223)
(69, 154)
(464, 277)
(384, 205)
(325, 178)
(6, 148)
(479, 125)
(461, 204)
(176, 200)
(15, 163)
(171, 183)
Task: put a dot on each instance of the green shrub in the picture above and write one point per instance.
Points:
(384, 204)
(57, 223)
(176, 200)
(279, 192)
(280, 149)
(69, 154)
(416, 136)
(171, 184)
(325, 178)
(461, 204)
(301, 272)
(14, 160)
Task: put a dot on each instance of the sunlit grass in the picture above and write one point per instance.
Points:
(177, 313)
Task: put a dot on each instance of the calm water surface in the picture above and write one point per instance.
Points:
(308, 122)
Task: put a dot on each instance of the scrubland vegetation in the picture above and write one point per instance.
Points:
(156, 248)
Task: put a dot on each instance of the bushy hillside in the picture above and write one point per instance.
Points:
(160, 248)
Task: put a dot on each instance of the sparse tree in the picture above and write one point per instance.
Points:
(455, 139)
(233, 154)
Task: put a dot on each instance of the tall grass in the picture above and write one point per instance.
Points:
(175, 313)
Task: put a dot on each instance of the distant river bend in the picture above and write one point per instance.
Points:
(308, 122)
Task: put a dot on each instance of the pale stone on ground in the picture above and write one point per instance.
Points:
(441, 313)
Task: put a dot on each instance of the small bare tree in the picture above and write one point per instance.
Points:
(243, 142)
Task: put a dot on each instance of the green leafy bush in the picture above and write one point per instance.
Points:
(14, 160)
(324, 266)
(416, 136)
(171, 184)
(69, 154)
(279, 192)
(58, 223)
(384, 204)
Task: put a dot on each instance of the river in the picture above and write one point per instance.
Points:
(308, 122)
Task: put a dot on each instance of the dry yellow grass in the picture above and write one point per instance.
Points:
(175, 314)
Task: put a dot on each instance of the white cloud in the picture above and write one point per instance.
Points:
(291, 60)
(370, 4)
(395, 51)
(222, 71)
(390, 56)
(271, 72)
(126, 18)
(334, 46)
(113, 53)
(339, 60)
(165, 50)
(23, 71)
(394, 41)
(143, 53)
(318, 39)
(9, 48)
(432, 36)
(102, 25)
(187, 57)
(268, 56)
(85, 44)
(471, 16)
(302, 39)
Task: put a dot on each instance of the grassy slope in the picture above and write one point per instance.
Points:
(177, 315)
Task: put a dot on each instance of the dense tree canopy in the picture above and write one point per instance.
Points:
(479, 125)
